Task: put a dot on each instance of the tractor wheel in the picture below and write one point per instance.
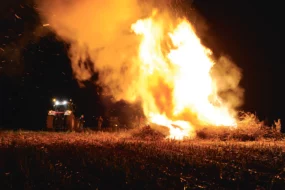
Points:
(70, 122)
(49, 123)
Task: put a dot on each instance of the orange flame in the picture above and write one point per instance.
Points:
(178, 82)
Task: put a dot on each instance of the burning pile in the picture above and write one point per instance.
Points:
(158, 60)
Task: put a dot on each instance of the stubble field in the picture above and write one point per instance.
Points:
(102, 160)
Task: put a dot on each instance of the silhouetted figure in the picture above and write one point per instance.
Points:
(81, 122)
(100, 121)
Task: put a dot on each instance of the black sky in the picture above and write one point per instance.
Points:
(34, 66)
(250, 32)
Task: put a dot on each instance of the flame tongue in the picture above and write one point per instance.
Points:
(178, 129)
(175, 79)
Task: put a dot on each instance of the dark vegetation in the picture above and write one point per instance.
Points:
(139, 159)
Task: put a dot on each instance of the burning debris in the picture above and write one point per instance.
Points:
(158, 60)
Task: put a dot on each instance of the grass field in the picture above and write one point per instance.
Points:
(101, 160)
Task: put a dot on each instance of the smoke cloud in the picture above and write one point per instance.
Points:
(227, 77)
(101, 41)
(98, 32)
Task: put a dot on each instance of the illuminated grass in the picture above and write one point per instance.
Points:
(92, 160)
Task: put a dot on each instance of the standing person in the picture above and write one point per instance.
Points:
(81, 122)
(100, 121)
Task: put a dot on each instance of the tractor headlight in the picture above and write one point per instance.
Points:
(68, 112)
(60, 103)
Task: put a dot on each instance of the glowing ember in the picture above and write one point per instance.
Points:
(178, 129)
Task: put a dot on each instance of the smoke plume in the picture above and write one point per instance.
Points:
(97, 31)
(101, 40)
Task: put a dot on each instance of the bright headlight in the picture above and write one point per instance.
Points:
(60, 103)
(68, 112)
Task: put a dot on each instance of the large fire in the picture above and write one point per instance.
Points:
(178, 82)
(161, 62)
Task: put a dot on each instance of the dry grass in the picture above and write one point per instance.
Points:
(249, 128)
(136, 160)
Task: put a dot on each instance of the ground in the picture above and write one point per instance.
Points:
(102, 160)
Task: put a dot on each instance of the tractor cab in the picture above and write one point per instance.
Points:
(61, 117)
(62, 107)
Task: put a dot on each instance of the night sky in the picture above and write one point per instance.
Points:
(34, 66)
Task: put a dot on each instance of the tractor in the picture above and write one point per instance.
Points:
(62, 117)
